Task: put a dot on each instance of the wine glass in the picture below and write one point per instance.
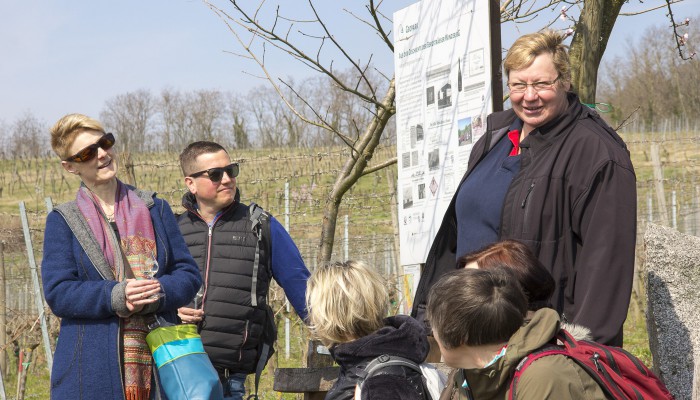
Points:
(150, 271)
(198, 297)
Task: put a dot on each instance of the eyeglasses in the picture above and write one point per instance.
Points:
(521, 87)
(217, 174)
(105, 143)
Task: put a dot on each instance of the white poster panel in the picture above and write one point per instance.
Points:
(442, 57)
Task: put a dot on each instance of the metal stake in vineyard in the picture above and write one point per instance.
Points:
(2, 386)
(38, 298)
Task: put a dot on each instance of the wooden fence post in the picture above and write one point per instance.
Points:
(659, 184)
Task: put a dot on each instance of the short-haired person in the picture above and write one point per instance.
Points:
(238, 254)
(552, 174)
(348, 307)
(477, 318)
(96, 270)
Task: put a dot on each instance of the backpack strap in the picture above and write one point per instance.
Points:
(545, 351)
(255, 213)
(385, 362)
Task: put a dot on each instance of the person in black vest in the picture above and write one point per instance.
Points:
(239, 249)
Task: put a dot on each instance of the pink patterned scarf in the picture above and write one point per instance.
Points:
(138, 247)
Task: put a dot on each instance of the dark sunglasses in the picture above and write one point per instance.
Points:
(217, 174)
(105, 143)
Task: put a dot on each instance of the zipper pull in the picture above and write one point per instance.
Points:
(529, 190)
(596, 361)
(211, 228)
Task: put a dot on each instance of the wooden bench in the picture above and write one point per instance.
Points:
(315, 380)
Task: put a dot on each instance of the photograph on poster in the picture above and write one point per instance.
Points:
(419, 132)
(421, 191)
(413, 136)
(464, 131)
(434, 159)
(434, 187)
(430, 95)
(476, 62)
(445, 96)
(478, 126)
(414, 158)
(438, 79)
(406, 159)
(407, 197)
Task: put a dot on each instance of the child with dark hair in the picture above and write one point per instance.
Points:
(479, 329)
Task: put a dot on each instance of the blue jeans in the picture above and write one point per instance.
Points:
(234, 388)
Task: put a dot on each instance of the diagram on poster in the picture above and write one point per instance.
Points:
(443, 95)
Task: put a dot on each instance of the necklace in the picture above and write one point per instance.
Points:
(108, 215)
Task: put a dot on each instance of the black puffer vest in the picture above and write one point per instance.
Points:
(237, 320)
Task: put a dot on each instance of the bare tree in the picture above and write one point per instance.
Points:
(208, 112)
(379, 105)
(130, 115)
(177, 118)
(28, 137)
(239, 126)
(266, 108)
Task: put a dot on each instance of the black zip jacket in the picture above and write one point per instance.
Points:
(234, 329)
(574, 204)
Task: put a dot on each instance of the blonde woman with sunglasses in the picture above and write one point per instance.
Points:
(98, 252)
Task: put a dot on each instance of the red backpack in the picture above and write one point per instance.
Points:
(620, 374)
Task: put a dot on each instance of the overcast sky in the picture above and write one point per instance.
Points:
(67, 56)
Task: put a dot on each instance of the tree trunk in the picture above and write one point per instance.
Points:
(588, 44)
(361, 153)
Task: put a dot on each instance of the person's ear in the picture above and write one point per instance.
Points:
(68, 166)
(189, 182)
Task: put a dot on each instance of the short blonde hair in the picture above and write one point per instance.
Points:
(346, 301)
(523, 52)
(66, 129)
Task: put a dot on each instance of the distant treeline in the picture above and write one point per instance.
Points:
(169, 120)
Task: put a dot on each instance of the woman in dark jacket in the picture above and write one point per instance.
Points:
(99, 254)
(347, 304)
(553, 175)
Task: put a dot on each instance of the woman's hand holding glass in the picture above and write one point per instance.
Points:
(140, 292)
(149, 272)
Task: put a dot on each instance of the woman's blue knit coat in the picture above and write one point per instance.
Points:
(87, 359)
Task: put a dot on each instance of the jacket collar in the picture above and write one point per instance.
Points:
(189, 202)
(490, 381)
(559, 127)
(401, 336)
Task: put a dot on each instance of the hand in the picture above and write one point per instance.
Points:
(190, 315)
(139, 292)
